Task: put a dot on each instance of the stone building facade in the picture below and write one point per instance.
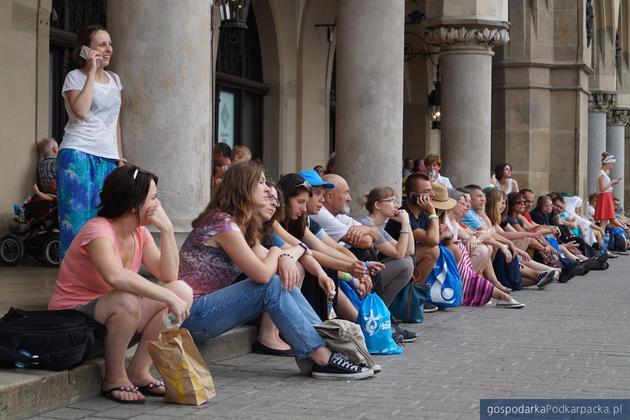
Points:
(541, 84)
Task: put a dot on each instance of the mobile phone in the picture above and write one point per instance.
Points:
(414, 197)
(85, 52)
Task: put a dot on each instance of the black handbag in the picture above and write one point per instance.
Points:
(49, 340)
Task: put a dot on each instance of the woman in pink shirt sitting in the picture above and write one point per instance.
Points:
(99, 276)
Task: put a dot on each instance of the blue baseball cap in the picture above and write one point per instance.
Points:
(315, 180)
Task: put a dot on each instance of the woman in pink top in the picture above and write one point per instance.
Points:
(99, 276)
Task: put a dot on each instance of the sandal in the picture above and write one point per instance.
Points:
(110, 396)
(147, 390)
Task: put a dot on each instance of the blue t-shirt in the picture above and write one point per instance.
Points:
(472, 220)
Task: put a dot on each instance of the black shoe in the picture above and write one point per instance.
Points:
(260, 348)
(429, 307)
(339, 367)
(544, 279)
(402, 335)
(568, 273)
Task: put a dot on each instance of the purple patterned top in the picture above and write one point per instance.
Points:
(204, 267)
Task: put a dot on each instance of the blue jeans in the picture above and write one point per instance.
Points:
(227, 308)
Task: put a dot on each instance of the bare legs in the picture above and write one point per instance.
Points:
(124, 314)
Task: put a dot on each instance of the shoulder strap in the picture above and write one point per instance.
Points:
(115, 77)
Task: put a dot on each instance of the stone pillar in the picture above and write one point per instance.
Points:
(466, 65)
(162, 52)
(369, 94)
(599, 104)
(615, 138)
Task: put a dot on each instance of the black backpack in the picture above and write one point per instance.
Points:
(50, 340)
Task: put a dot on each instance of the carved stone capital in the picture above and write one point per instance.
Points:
(452, 37)
(618, 117)
(601, 101)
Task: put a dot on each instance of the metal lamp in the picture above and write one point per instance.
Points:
(233, 13)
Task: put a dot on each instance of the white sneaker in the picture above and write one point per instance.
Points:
(510, 304)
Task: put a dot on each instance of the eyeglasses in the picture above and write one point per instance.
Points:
(520, 202)
(274, 200)
(388, 200)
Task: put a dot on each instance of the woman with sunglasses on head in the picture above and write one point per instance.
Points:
(225, 242)
(99, 277)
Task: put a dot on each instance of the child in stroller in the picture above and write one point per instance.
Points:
(38, 234)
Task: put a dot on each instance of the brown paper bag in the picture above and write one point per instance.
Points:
(186, 376)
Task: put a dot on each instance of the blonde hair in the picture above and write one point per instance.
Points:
(45, 146)
(240, 152)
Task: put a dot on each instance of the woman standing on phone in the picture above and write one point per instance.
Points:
(91, 146)
(605, 210)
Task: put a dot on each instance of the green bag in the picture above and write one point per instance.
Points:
(408, 306)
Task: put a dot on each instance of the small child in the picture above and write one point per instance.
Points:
(241, 153)
(45, 187)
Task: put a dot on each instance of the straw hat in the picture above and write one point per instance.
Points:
(441, 199)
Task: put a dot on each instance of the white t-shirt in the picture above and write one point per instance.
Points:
(335, 227)
(96, 134)
(444, 181)
(602, 173)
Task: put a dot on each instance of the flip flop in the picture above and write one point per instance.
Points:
(110, 396)
(147, 390)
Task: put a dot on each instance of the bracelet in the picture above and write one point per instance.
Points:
(346, 277)
(405, 231)
(286, 255)
(352, 282)
(433, 216)
(367, 265)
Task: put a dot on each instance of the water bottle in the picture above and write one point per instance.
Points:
(330, 311)
(25, 353)
(170, 321)
(605, 242)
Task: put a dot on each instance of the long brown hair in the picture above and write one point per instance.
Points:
(234, 197)
(493, 197)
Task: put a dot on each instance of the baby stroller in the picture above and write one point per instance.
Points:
(38, 236)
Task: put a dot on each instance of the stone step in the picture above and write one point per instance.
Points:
(25, 392)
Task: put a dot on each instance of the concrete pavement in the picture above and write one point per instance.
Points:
(571, 341)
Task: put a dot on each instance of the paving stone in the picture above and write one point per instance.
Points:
(69, 413)
(571, 341)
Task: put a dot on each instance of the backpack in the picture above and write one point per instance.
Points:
(50, 340)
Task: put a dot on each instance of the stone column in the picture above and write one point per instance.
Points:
(615, 137)
(369, 94)
(599, 104)
(466, 65)
(162, 52)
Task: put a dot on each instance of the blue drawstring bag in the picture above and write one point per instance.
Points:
(376, 324)
(408, 305)
(352, 294)
(445, 281)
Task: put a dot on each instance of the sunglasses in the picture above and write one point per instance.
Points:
(520, 202)
(306, 185)
(135, 173)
